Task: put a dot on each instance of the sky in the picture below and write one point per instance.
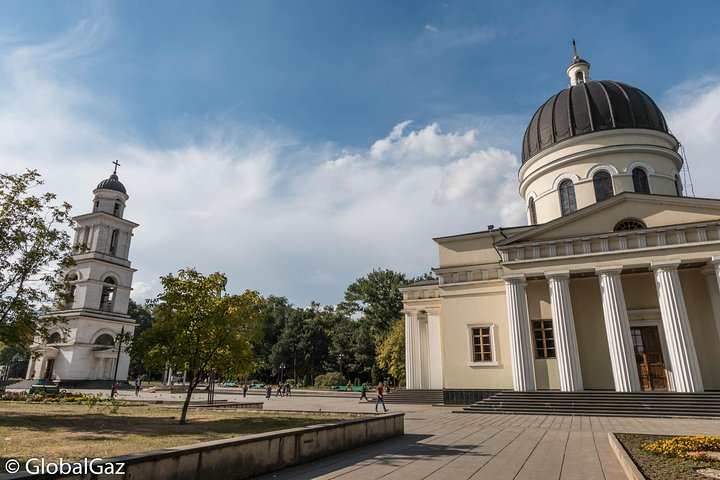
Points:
(297, 146)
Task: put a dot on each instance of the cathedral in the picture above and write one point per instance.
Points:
(82, 347)
(612, 285)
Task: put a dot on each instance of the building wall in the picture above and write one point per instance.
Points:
(546, 370)
(482, 305)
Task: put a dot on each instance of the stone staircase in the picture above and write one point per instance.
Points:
(418, 397)
(645, 404)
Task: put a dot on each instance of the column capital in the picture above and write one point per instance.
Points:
(557, 274)
(609, 270)
(516, 278)
(432, 310)
(714, 261)
(411, 313)
(665, 264)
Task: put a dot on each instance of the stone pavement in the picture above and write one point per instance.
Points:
(441, 444)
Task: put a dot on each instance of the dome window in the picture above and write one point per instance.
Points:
(602, 181)
(566, 191)
(54, 338)
(532, 212)
(640, 180)
(678, 185)
(630, 224)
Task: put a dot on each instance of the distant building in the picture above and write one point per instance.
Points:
(613, 285)
(83, 348)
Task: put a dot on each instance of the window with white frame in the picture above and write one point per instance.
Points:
(481, 344)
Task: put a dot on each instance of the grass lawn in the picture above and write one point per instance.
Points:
(74, 432)
(658, 467)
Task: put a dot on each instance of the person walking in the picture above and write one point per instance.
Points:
(244, 390)
(363, 394)
(380, 397)
(268, 392)
(138, 383)
(287, 390)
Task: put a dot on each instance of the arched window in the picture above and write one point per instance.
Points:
(532, 211)
(566, 190)
(105, 339)
(630, 224)
(602, 181)
(54, 338)
(640, 180)
(579, 77)
(108, 295)
(678, 185)
(116, 210)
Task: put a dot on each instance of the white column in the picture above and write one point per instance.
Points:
(680, 345)
(411, 346)
(617, 326)
(435, 348)
(523, 369)
(566, 348)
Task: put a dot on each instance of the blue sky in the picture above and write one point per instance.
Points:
(298, 145)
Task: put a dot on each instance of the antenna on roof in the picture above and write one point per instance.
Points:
(575, 55)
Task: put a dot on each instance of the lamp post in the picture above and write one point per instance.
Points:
(120, 338)
(340, 358)
(282, 372)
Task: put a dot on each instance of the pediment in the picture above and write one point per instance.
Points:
(653, 210)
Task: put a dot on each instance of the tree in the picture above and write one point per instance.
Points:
(34, 249)
(201, 329)
(391, 354)
(377, 296)
(143, 316)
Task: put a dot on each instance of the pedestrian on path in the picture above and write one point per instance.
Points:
(380, 398)
(268, 392)
(244, 390)
(364, 394)
(138, 383)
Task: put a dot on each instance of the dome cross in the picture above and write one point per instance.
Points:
(117, 164)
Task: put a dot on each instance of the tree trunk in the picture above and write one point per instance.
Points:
(191, 388)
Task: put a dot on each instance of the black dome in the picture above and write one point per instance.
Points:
(112, 183)
(590, 107)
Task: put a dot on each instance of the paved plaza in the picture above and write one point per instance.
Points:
(442, 444)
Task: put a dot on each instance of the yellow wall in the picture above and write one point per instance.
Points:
(485, 306)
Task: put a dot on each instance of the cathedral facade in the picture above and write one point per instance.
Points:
(612, 285)
(82, 346)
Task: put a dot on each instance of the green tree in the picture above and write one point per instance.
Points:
(34, 248)
(391, 354)
(201, 329)
(15, 357)
(143, 316)
(377, 297)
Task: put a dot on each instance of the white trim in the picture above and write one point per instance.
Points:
(603, 166)
(639, 163)
(565, 176)
(471, 353)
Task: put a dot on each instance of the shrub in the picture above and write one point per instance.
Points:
(330, 379)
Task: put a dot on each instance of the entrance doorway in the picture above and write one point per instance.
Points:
(49, 369)
(649, 358)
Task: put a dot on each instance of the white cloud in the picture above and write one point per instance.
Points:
(463, 37)
(694, 118)
(273, 212)
(430, 28)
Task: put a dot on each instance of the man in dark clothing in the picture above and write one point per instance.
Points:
(244, 390)
(364, 393)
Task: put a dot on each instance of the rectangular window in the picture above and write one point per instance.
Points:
(482, 344)
(114, 241)
(544, 339)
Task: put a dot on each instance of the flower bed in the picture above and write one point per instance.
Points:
(61, 397)
(662, 457)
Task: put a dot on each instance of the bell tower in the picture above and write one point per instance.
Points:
(82, 347)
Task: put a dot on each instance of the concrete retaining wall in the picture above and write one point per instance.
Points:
(246, 457)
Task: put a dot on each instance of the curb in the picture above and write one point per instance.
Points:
(631, 470)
